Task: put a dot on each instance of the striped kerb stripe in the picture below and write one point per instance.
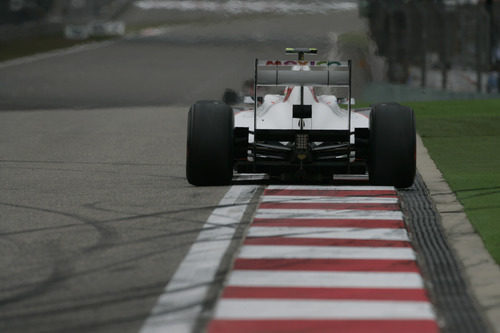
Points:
(324, 259)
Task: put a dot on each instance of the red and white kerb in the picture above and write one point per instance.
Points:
(325, 259)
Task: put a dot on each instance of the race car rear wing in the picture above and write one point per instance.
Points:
(303, 72)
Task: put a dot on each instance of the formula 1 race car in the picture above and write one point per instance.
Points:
(293, 126)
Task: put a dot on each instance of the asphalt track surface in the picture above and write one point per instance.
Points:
(181, 64)
(96, 214)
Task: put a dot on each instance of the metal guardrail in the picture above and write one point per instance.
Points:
(378, 92)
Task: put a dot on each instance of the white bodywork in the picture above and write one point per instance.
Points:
(276, 113)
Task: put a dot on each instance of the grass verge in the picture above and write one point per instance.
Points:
(463, 139)
(12, 49)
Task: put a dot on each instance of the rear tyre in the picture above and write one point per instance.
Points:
(209, 159)
(392, 155)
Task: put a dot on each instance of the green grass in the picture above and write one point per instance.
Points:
(12, 49)
(463, 139)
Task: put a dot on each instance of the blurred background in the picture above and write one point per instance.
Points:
(401, 50)
(96, 213)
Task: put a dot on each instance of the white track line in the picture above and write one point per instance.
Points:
(328, 214)
(325, 252)
(245, 309)
(307, 199)
(317, 279)
(178, 308)
(330, 233)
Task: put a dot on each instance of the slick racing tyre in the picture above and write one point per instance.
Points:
(392, 153)
(209, 159)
